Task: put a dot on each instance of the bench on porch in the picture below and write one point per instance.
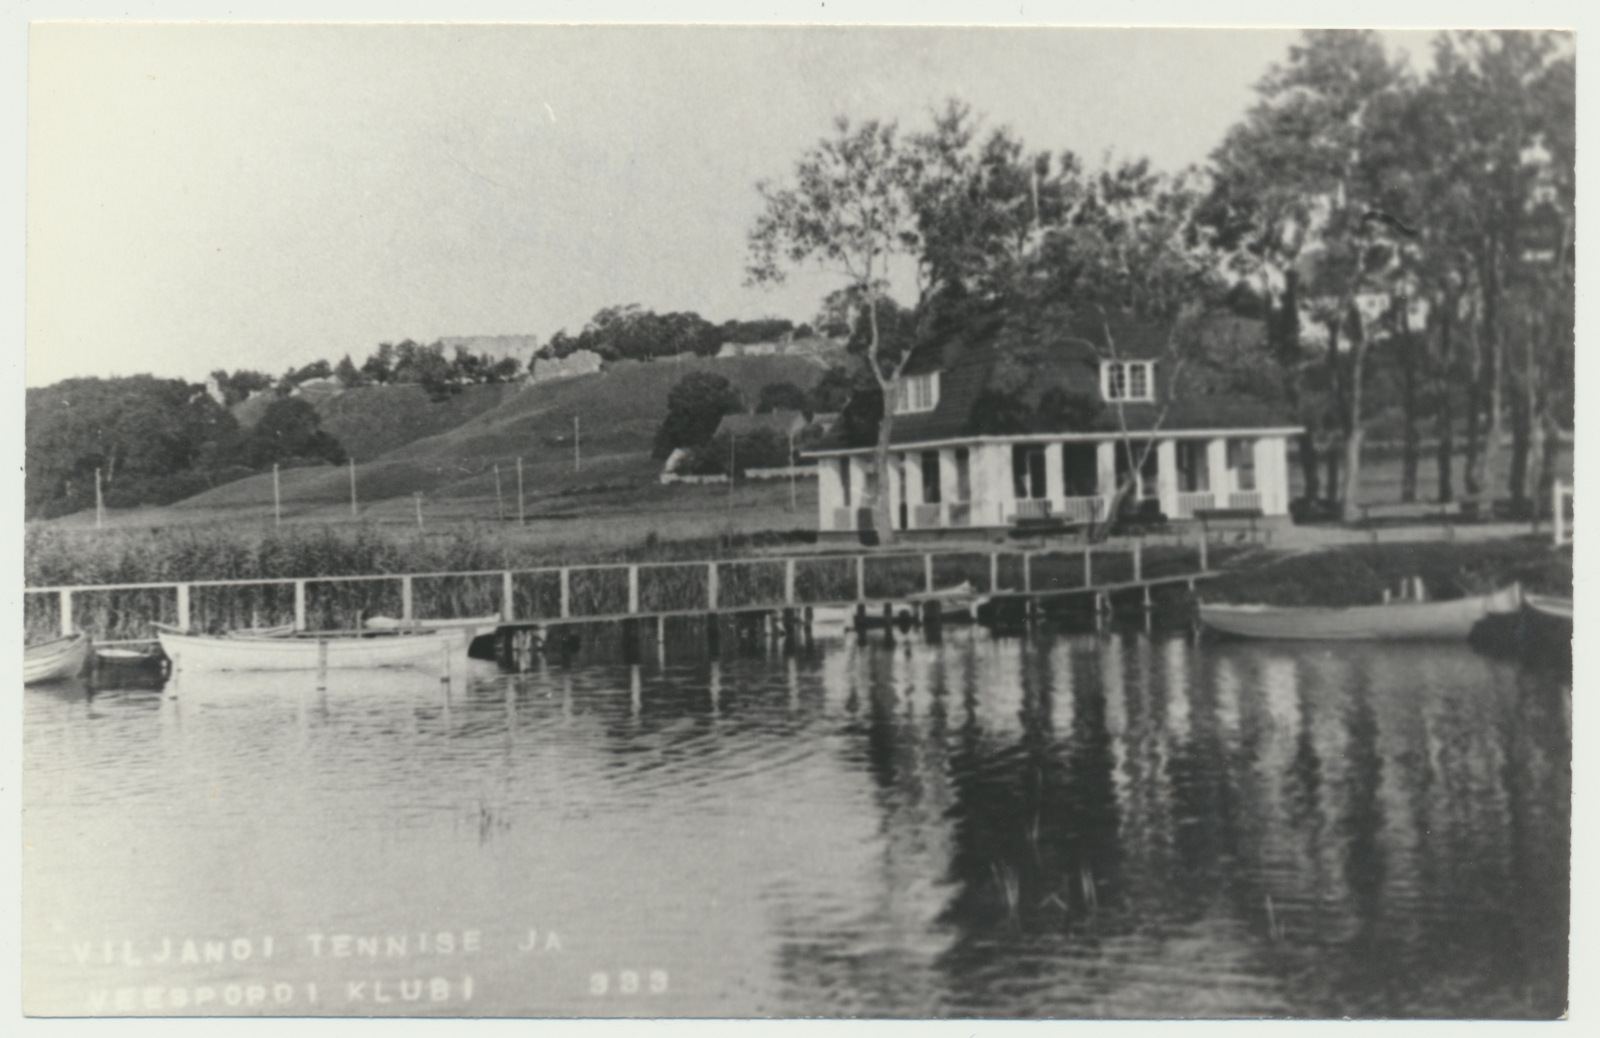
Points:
(1447, 511)
(1228, 518)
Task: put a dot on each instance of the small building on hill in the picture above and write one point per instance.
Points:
(991, 433)
(579, 362)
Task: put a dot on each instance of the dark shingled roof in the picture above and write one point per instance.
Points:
(977, 371)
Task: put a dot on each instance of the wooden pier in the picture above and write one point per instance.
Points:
(605, 593)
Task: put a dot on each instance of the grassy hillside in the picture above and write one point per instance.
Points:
(372, 420)
(619, 410)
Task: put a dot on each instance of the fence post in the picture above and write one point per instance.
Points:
(406, 612)
(994, 572)
(65, 597)
(711, 586)
(1088, 566)
(927, 572)
(566, 592)
(633, 589)
(299, 605)
(861, 578)
(1027, 571)
(1138, 560)
(183, 607)
(508, 601)
(788, 581)
(1203, 541)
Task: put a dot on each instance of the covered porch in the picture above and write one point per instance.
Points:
(1001, 482)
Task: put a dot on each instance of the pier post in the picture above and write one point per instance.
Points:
(888, 623)
(1203, 542)
(183, 607)
(1088, 566)
(861, 578)
(1027, 572)
(1138, 560)
(566, 592)
(994, 572)
(790, 630)
(65, 598)
(633, 589)
(508, 601)
(711, 586)
(406, 612)
(927, 572)
(788, 581)
(932, 622)
(713, 639)
(299, 605)
(861, 621)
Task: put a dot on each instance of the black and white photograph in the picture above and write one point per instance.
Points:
(766, 520)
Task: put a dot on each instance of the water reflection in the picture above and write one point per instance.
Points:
(1071, 826)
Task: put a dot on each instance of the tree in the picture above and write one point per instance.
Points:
(347, 373)
(783, 396)
(1296, 182)
(291, 429)
(864, 204)
(379, 367)
(695, 407)
(238, 386)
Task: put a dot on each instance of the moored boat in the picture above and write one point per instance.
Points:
(1540, 634)
(423, 649)
(55, 660)
(1392, 621)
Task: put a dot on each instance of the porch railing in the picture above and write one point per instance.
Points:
(1193, 501)
(960, 513)
(1032, 508)
(925, 516)
(1244, 499)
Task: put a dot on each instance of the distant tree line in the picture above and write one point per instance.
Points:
(634, 333)
(154, 441)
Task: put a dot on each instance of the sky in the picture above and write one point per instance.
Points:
(206, 196)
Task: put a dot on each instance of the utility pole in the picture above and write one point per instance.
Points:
(352, 487)
(499, 499)
(522, 519)
(732, 439)
(577, 445)
(277, 498)
(793, 504)
(99, 502)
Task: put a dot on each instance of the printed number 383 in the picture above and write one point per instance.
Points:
(628, 982)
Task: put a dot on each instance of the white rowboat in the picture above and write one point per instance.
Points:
(425, 649)
(1393, 621)
(55, 660)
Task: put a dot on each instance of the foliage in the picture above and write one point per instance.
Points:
(783, 396)
(238, 386)
(133, 430)
(290, 429)
(695, 406)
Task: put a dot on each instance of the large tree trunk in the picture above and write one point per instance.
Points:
(1411, 447)
(1445, 413)
(881, 500)
(1356, 435)
(1308, 463)
(1494, 362)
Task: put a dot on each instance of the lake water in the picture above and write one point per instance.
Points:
(1065, 826)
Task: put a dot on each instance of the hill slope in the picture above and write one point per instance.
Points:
(619, 410)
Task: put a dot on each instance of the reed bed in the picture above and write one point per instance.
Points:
(672, 588)
(895, 576)
(447, 598)
(750, 584)
(226, 608)
(824, 579)
(951, 570)
(344, 605)
(536, 596)
(598, 592)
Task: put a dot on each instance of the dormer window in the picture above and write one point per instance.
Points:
(1127, 380)
(917, 393)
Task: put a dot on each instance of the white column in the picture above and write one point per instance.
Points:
(1272, 474)
(989, 495)
(1053, 483)
(1105, 457)
(1001, 484)
(897, 464)
(913, 477)
(947, 478)
(830, 491)
(1167, 476)
(858, 484)
(1217, 471)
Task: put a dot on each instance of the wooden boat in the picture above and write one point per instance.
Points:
(55, 660)
(957, 604)
(424, 649)
(1540, 634)
(1393, 621)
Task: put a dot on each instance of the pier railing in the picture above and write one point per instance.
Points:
(589, 593)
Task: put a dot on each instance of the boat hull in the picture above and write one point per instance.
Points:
(426, 650)
(1395, 621)
(56, 660)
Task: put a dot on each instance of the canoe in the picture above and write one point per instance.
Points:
(55, 660)
(426, 649)
(1393, 621)
(1550, 606)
